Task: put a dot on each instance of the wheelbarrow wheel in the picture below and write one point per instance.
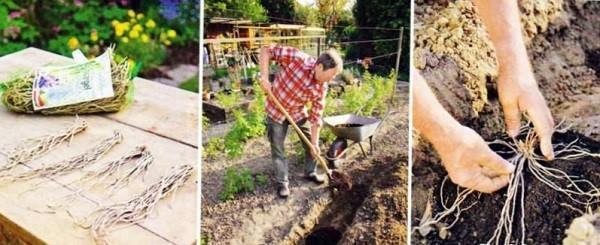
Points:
(334, 153)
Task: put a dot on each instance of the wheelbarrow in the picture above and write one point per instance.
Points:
(350, 127)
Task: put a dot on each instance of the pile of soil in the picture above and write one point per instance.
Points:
(375, 209)
(547, 215)
(563, 48)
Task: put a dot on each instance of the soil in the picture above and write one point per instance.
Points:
(348, 125)
(478, 223)
(563, 42)
(374, 210)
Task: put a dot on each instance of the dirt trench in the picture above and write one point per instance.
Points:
(377, 201)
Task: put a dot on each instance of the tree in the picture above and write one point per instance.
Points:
(308, 15)
(243, 9)
(281, 11)
(330, 11)
(392, 14)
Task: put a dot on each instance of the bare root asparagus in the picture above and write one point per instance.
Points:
(81, 161)
(33, 148)
(140, 206)
(120, 173)
(578, 190)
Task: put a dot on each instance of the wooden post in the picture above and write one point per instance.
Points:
(398, 61)
(319, 47)
(399, 52)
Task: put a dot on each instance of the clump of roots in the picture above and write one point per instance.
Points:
(81, 161)
(524, 156)
(117, 170)
(18, 94)
(139, 207)
(34, 148)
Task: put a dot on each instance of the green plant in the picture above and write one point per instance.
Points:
(69, 26)
(382, 89)
(247, 125)
(15, 32)
(141, 39)
(191, 84)
(262, 179)
(205, 123)
(213, 147)
(236, 182)
(204, 240)
(228, 100)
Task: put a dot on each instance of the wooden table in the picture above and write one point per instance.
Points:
(162, 118)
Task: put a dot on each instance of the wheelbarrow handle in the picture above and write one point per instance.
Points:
(319, 159)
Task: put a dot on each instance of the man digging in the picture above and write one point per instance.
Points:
(302, 80)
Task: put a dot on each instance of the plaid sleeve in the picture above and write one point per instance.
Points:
(316, 111)
(284, 55)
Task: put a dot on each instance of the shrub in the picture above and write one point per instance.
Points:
(15, 32)
(236, 182)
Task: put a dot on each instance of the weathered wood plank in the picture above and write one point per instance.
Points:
(170, 137)
(163, 110)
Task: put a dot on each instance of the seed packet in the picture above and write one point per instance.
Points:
(84, 81)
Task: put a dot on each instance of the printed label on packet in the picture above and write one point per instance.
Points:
(56, 86)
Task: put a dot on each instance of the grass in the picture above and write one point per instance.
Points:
(192, 84)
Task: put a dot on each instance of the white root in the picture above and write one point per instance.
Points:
(33, 148)
(139, 207)
(81, 161)
(580, 191)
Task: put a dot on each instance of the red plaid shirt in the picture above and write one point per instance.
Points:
(295, 86)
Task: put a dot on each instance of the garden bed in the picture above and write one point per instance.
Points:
(377, 200)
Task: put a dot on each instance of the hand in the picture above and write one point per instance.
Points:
(518, 92)
(471, 163)
(316, 151)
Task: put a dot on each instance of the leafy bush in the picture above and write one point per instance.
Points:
(213, 147)
(236, 182)
(62, 26)
(247, 125)
(140, 38)
(69, 26)
(15, 32)
(228, 100)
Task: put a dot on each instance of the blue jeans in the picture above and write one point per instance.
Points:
(276, 132)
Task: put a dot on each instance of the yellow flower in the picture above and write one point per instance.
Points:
(73, 43)
(131, 13)
(132, 20)
(163, 36)
(94, 36)
(140, 16)
(145, 38)
(126, 26)
(150, 24)
(119, 29)
(114, 23)
(134, 34)
(125, 40)
(167, 42)
(171, 33)
(131, 62)
(138, 27)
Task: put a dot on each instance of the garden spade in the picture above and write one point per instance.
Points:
(336, 179)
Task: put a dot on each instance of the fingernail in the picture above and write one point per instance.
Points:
(547, 150)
